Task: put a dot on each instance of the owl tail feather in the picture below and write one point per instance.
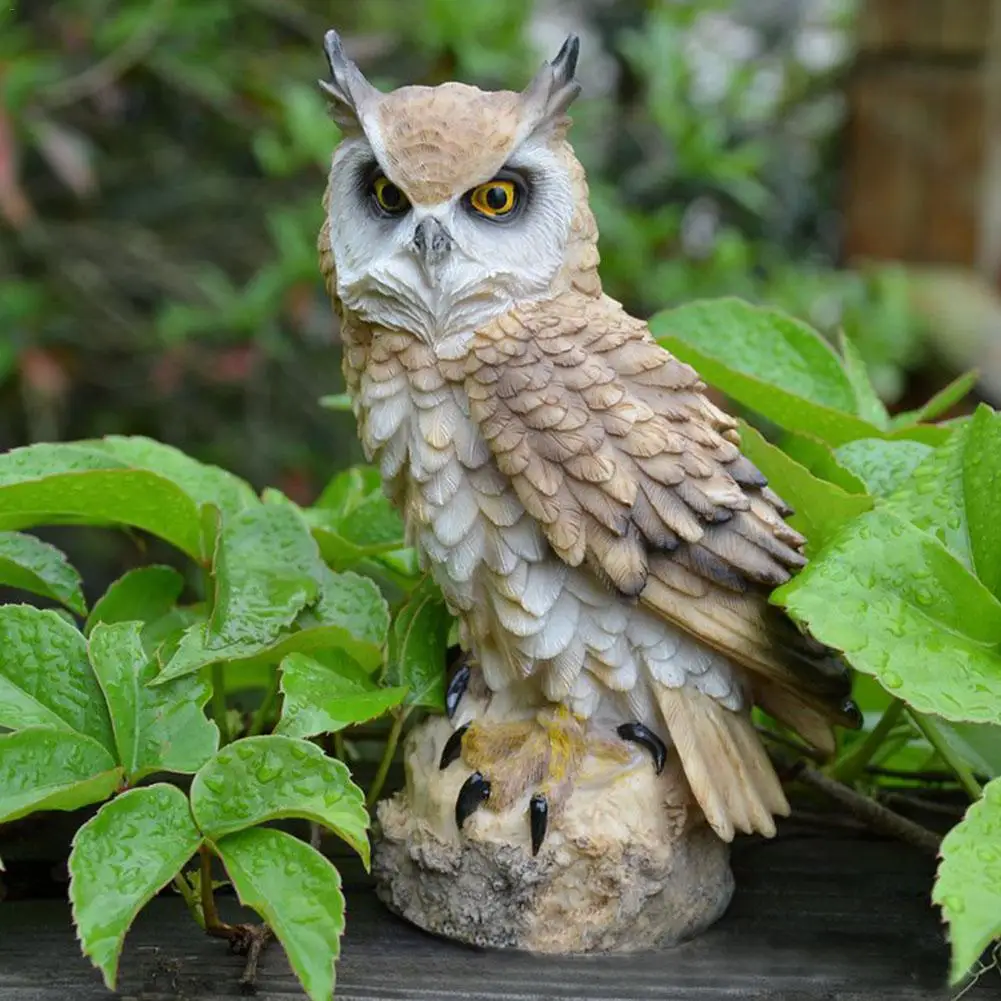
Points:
(729, 772)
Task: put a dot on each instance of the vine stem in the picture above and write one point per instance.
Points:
(934, 736)
(387, 757)
(214, 925)
(851, 766)
(260, 716)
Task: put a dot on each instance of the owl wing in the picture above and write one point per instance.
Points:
(612, 445)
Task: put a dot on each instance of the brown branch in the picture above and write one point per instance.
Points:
(869, 812)
(260, 937)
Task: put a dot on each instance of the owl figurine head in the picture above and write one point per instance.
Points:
(447, 205)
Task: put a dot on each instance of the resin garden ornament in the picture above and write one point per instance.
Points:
(588, 515)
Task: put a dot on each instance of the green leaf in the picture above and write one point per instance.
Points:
(769, 362)
(298, 892)
(263, 778)
(336, 401)
(968, 884)
(906, 611)
(353, 519)
(978, 744)
(868, 404)
(821, 507)
(31, 565)
(982, 491)
(326, 697)
(142, 595)
(59, 483)
(940, 402)
(882, 466)
(417, 646)
(204, 484)
(121, 858)
(157, 729)
(45, 769)
(45, 677)
(820, 459)
(932, 497)
(267, 569)
(351, 615)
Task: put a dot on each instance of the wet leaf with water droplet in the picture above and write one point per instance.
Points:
(161, 728)
(31, 565)
(903, 609)
(141, 595)
(298, 892)
(770, 362)
(121, 858)
(262, 778)
(46, 769)
(417, 647)
(821, 507)
(883, 466)
(45, 678)
(266, 570)
(968, 887)
(982, 490)
(323, 697)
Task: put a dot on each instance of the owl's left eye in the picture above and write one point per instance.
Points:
(388, 196)
(496, 198)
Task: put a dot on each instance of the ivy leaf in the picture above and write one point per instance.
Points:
(945, 398)
(765, 360)
(121, 858)
(905, 610)
(204, 484)
(257, 779)
(31, 565)
(328, 696)
(47, 484)
(161, 729)
(883, 466)
(968, 884)
(981, 491)
(417, 646)
(351, 615)
(266, 570)
(868, 404)
(45, 677)
(298, 892)
(821, 507)
(142, 595)
(46, 769)
(932, 497)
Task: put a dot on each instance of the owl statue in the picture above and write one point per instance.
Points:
(583, 506)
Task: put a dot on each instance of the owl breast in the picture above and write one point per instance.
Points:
(533, 622)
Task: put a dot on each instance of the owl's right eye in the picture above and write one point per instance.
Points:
(389, 197)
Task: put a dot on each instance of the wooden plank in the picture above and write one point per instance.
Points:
(832, 918)
(911, 29)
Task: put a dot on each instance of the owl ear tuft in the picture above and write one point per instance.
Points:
(553, 89)
(348, 89)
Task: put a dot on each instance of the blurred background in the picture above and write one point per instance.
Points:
(162, 163)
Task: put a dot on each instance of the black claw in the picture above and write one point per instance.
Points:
(456, 689)
(453, 747)
(538, 811)
(473, 794)
(637, 733)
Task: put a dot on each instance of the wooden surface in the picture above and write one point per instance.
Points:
(815, 918)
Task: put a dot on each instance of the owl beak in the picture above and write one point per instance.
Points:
(432, 243)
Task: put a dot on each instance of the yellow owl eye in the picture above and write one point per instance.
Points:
(388, 196)
(495, 198)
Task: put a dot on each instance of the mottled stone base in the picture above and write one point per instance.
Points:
(630, 865)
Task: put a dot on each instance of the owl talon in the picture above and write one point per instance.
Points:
(538, 810)
(453, 747)
(474, 793)
(637, 733)
(456, 689)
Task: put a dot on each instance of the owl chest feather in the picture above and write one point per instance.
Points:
(528, 616)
